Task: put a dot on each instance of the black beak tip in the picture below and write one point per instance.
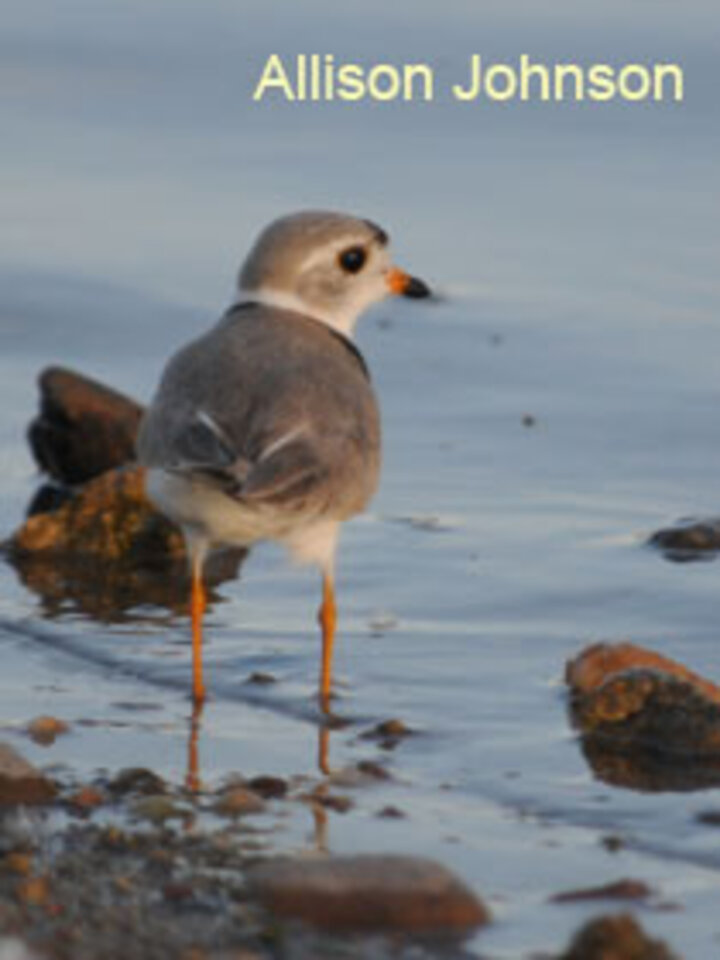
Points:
(417, 289)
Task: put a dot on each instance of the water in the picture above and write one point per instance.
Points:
(577, 249)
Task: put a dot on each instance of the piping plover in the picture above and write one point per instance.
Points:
(267, 426)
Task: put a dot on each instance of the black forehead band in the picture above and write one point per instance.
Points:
(379, 234)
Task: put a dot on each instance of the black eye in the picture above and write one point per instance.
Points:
(353, 259)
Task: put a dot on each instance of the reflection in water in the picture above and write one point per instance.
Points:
(643, 767)
(115, 591)
(193, 778)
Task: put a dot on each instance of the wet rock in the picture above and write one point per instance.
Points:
(83, 429)
(239, 802)
(688, 540)
(137, 780)
(362, 893)
(645, 721)
(391, 812)
(619, 890)
(20, 782)
(261, 678)
(110, 519)
(86, 799)
(591, 669)
(617, 937)
(389, 733)
(107, 549)
(270, 788)
(45, 730)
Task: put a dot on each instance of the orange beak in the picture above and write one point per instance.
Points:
(402, 284)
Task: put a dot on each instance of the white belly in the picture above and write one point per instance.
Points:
(209, 516)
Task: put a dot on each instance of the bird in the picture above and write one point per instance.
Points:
(267, 427)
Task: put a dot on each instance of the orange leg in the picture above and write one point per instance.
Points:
(198, 604)
(327, 615)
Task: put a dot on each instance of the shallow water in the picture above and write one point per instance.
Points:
(577, 252)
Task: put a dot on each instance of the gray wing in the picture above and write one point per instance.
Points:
(271, 409)
(288, 467)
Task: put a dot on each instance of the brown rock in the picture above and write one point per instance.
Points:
(20, 782)
(83, 428)
(86, 799)
(45, 730)
(619, 890)
(368, 892)
(597, 663)
(646, 721)
(106, 549)
(270, 788)
(618, 937)
(109, 519)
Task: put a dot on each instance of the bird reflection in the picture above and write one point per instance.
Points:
(193, 778)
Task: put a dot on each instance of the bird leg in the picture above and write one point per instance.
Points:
(327, 616)
(198, 603)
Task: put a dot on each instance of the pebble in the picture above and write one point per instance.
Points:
(157, 809)
(238, 802)
(45, 730)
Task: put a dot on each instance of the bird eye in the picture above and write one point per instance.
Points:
(353, 259)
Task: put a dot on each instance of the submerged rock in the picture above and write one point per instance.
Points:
(646, 721)
(618, 937)
(368, 892)
(83, 428)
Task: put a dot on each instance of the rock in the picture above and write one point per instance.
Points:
(368, 892)
(270, 788)
(106, 549)
(592, 668)
(389, 733)
(646, 721)
(391, 812)
(86, 799)
(618, 937)
(20, 782)
(45, 730)
(137, 780)
(619, 890)
(239, 802)
(109, 519)
(83, 428)
(688, 540)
